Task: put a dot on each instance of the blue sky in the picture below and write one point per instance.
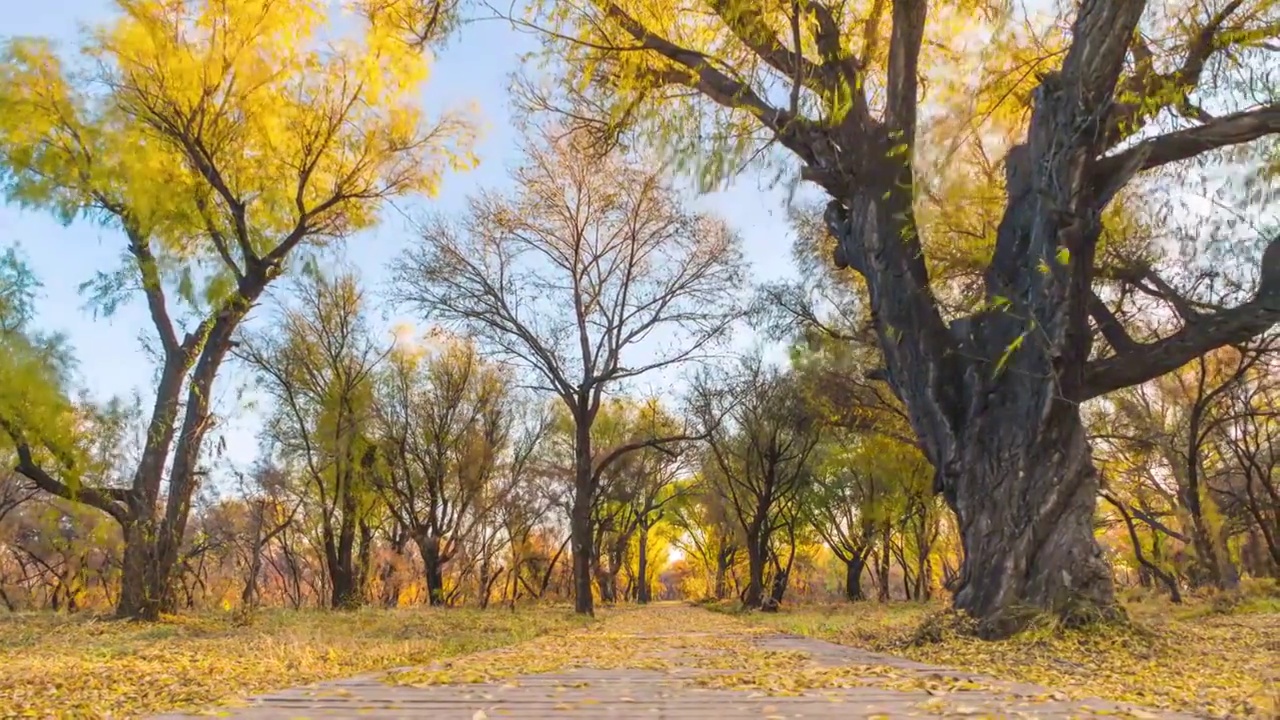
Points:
(475, 67)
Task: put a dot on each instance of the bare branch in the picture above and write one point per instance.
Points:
(1225, 327)
(1227, 130)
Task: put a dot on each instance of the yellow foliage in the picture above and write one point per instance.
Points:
(224, 128)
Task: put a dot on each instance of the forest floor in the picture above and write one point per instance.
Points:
(80, 667)
(667, 660)
(673, 661)
(1209, 656)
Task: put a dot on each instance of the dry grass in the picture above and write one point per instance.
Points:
(1213, 656)
(73, 667)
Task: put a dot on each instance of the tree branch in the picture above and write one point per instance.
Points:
(1225, 327)
(789, 129)
(659, 443)
(1227, 130)
(113, 501)
(905, 41)
(1110, 327)
(747, 23)
(149, 274)
(1173, 87)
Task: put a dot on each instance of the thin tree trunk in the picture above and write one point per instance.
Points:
(883, 565)
(580, 520)
(754, 595)
(1148, 567)
(643, 591)
(724, 560)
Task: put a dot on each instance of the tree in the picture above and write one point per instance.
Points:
(1188, 456)
(660, 486)
(269, 517)
(993, 393)
(849, 496)
(1250, 440)
(319, 364)
(759, 455)
(444, 425)
(221, 140)
(592, 274)
(702, 528)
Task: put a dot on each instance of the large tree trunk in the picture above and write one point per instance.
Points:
(343, 593)
(344, 588)
(1025, 503)
(433, 567)
(994, 397)
(853, 577)
(143, 585)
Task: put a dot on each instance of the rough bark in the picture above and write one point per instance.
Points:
(753, 595)
(724, 560)
(644, 593)
(1033, 546)
(345, 588)
(433, 567)
(853, 568)
(581, 537)
(993, 397)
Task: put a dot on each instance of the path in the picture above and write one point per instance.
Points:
(672, 661)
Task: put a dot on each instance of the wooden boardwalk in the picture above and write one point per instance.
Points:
(672, 662)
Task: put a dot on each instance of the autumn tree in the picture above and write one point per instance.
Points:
(444, 424)
(701, 525)
(318, 365)
(845, 511)
(994, 392)
(220, 140)
(591, 274)
(270, 514)
(1187, 460)
(661, 484)
(1249, 440)
(761, 440)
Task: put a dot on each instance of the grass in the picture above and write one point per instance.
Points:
(1215, 657)
(81, 667)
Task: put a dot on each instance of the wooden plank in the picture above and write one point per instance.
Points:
(648, 694)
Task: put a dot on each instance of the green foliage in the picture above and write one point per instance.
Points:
(34, 367)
